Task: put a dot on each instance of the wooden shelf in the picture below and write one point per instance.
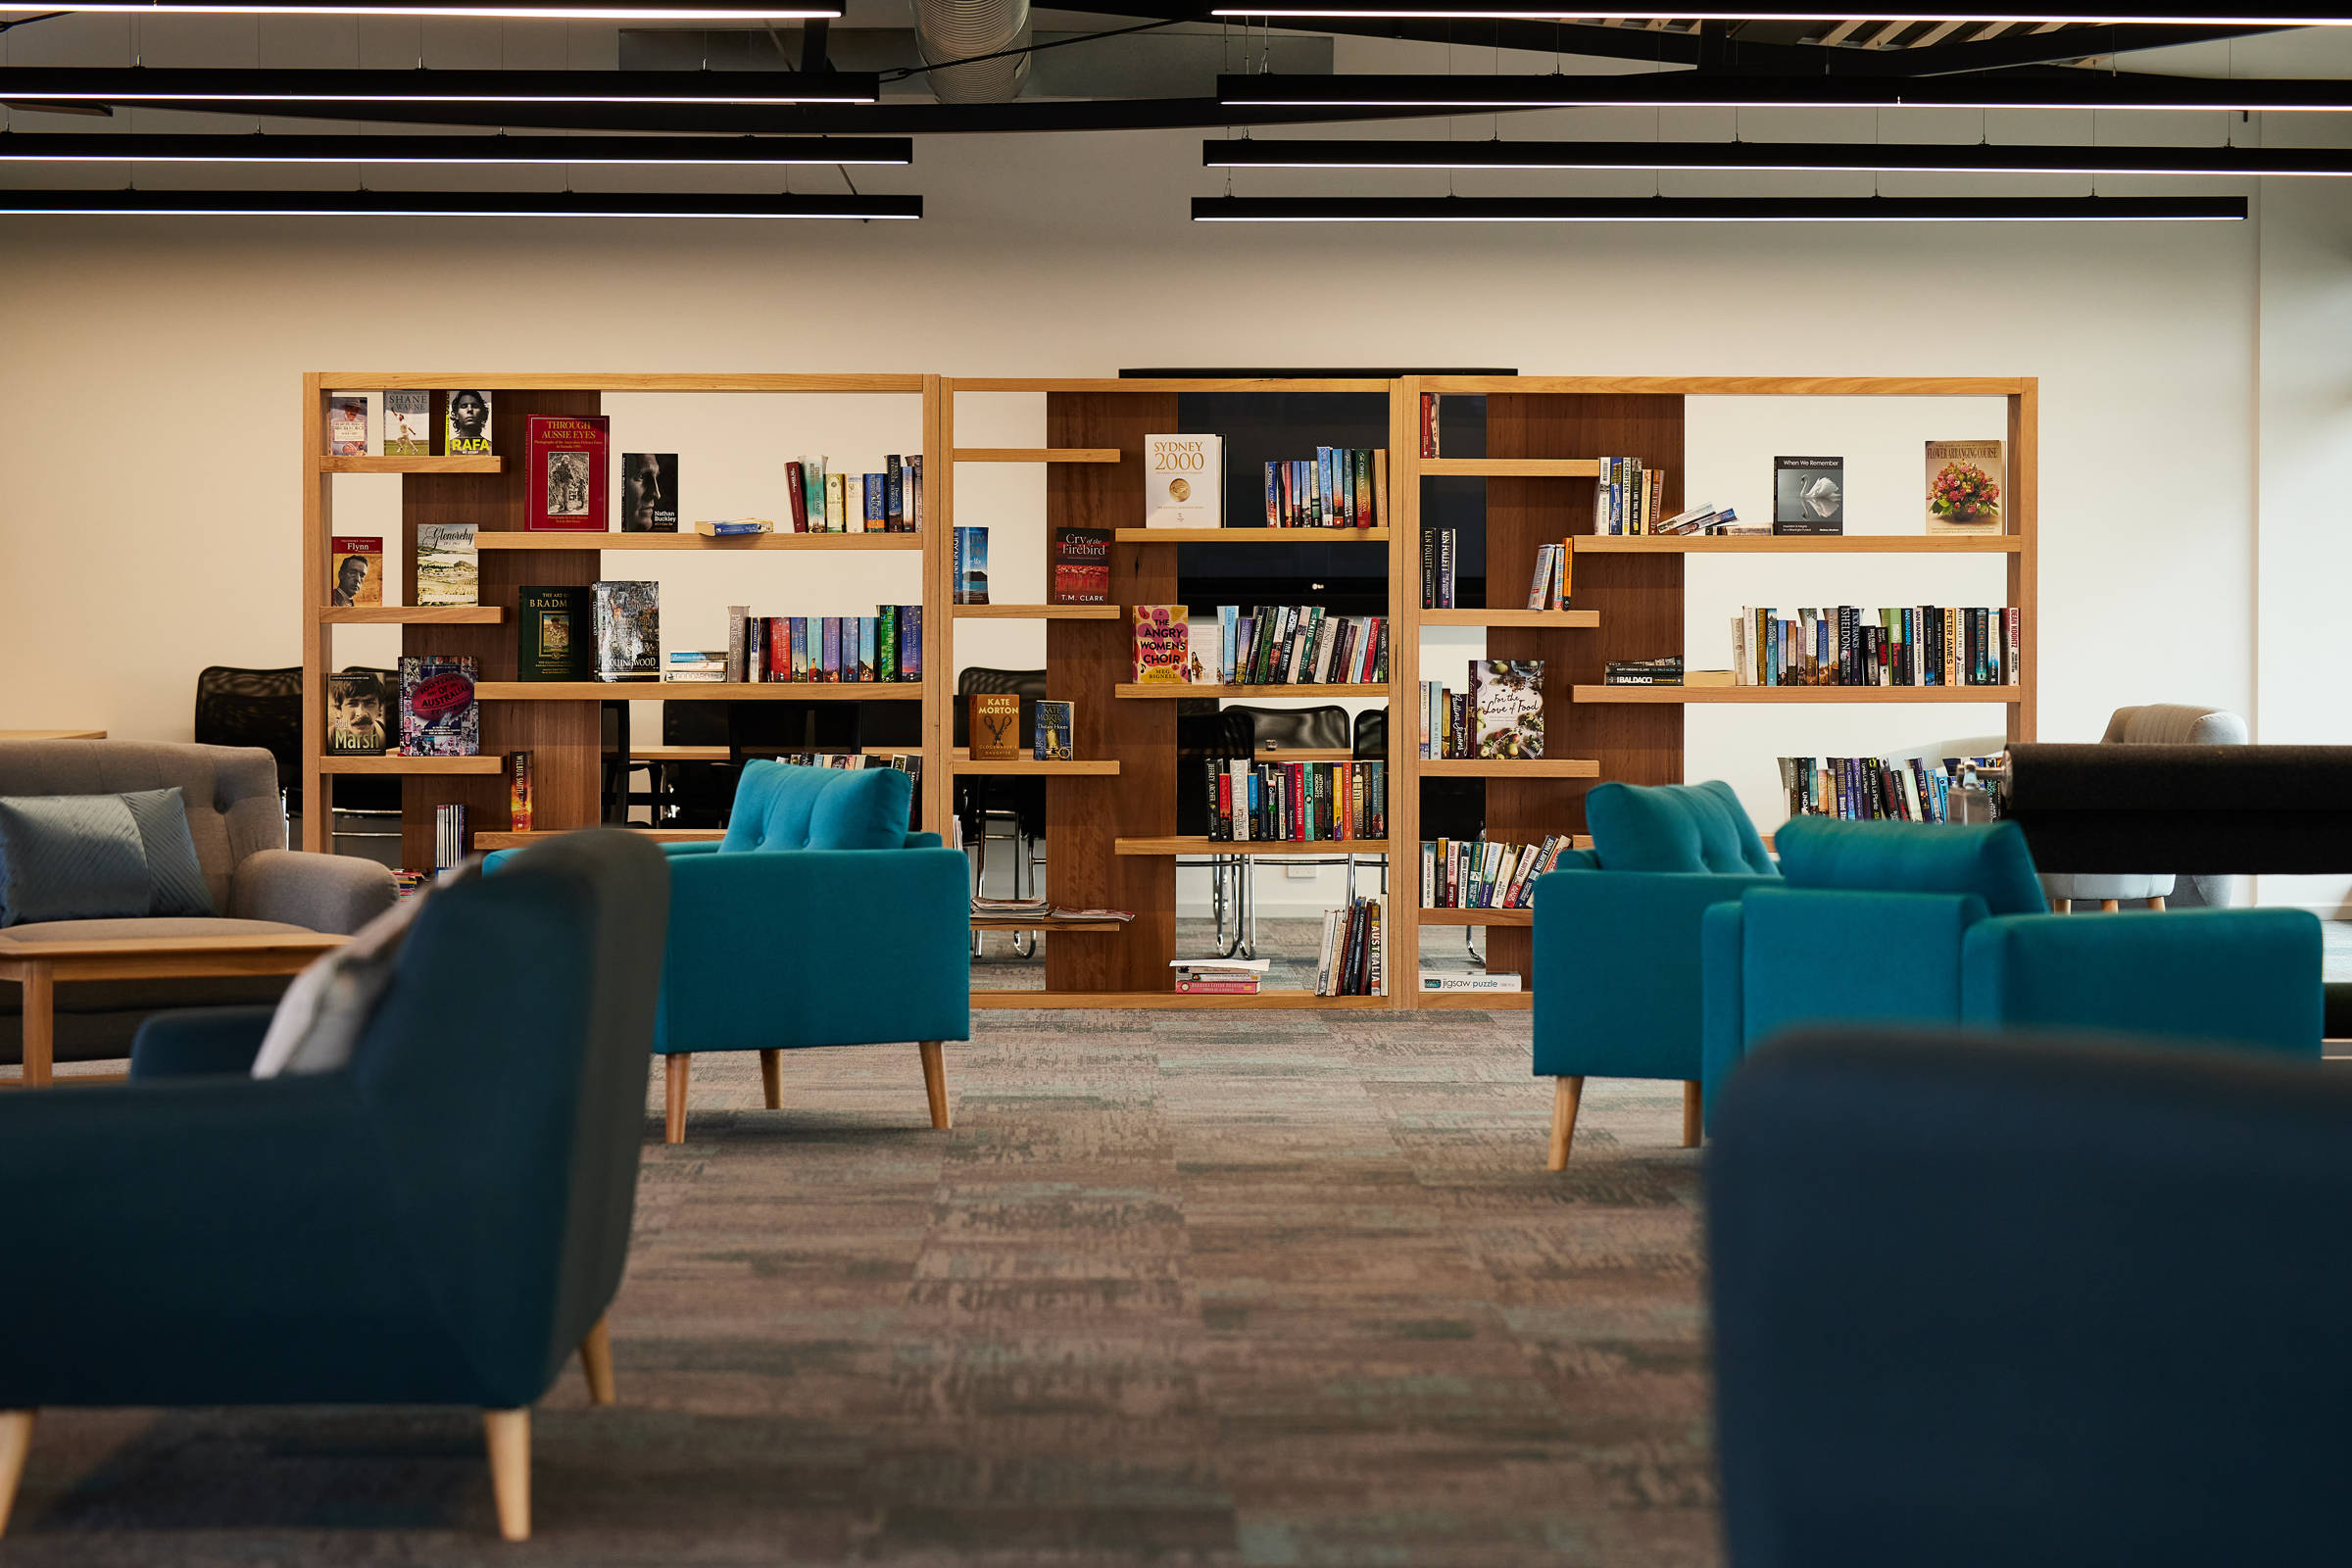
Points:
(1017, 923)
(1305, 754)
(1264, 848)
(491, 464)
(1172, 1001)
(1476, 917)
(1740, 544)
(652, 835)
(612, 540)
(1476, 1000)
(1369, 690)
(1013, 768)
(1537, 620)
(492, 764)
(413, 616)
(1250, 536)
(1036, 454)
(1508, 768)
(699, 691)
(1039, 611)
(1794, 694)
(1512, 467)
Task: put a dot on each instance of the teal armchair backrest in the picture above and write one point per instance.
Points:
(780, 806)
(1986, 858)
(1674, 827)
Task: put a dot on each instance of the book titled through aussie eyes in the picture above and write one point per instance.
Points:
(565, 462)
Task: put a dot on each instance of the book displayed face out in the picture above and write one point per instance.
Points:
(1184, 481)
(1965, 480)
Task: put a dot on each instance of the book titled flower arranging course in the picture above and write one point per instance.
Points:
(1964, 488)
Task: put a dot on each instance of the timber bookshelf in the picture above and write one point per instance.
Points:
(560, 723)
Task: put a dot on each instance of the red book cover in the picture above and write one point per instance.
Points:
(779, 648)
(795, 480)
(564, 466)
(1082, 566)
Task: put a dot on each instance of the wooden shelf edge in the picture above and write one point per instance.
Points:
(1507, 767)
(705, 691)
(1038, 611)
(1030, 767)
(1247, 536)
(1263, 848)
(1511, 468)
(1536, 620)
(349, 767)
(610, 539)
(413, 615)
(1476, 1000)
(1014, 922)
(1476, 917)
(1794, 695)
(1165, 690)
(1035, 455)
(1173, 1001)
(1915, 543)
(463, 464)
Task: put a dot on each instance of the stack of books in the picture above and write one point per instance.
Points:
(1227, 977)
(1664, 671)
(826, 501)
(449, 836)
(1350, 963)
(1628, 498)
(1012, 909)
(1709, 521)
(695, 664)
(825, 650)
(1870, 789)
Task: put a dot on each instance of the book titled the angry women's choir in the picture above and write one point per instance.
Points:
(628, 630)
(438, 714)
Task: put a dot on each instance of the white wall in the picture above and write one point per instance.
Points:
(148, 419)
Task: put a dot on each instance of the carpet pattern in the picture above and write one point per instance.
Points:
(1216, 1288)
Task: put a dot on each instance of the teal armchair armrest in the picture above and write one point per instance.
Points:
(816, 947)
(192, 1042)
(1617, 970)
(2246, 976)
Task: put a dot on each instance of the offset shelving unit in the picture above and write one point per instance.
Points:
(1250, 536)
(1792, 694)
(558, 723)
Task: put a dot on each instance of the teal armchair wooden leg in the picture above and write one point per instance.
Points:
(1691, 1106)
(596, 1363)
(16, 1442)
(1566, 1095)
(509, 1434)
(771, 1078)
(935, 1082)
(673, 1097)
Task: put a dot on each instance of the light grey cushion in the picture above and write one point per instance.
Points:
(319, 1023)
(2085, 886)
(173, 876)
(71, 857)
(229, 792)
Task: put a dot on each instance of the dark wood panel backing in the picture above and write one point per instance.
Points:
(565, 740)
(1640, 599)
(1084, 661)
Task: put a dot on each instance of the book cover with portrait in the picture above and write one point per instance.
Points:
(466, 418)
(358, 565)
(349, 430)
(358, 703)
(564, 458)
(649, 492)
(438, 714)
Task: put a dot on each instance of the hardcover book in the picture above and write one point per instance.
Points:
(796, 490)
(468, 424)
(628, 630)
(448, 567)
(1808, 495)
(347, 424)
(407, 425)
(1507, 695)
(1162, 644)
(356, 701)
(1205, 654)
(554, 628)
(1052, 742)
(1184, 481)
(565, 458)
(519, 791)
(996, 726)
(359, 573)
(1964, 486)
(1082, 566)
(438, 714)
(970, 566)
(649, 492)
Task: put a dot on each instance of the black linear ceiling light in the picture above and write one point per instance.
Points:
(1690, 89)
(1978, 157)
(22, 147)
(242, 86)
(1766, 11)
(1693, 209)
(500, 10)
(444, 204)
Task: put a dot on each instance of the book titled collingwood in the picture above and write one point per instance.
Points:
(438, 714)
(628, 630)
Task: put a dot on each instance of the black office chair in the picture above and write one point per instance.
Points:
(256, 708)
(1372, 735)
(696, 794)
(1019, 803)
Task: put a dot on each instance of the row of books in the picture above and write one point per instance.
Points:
(400, 424)
(1485, 873)
(811, 649)
(1298, 803)
(1922, 645)
(426, 708)
(825, 502)
(1870, 789)
(1227, 977)
(1628, 498)
(1272, 645)
(1338, 487)
(1500, 716)
(1351, 961)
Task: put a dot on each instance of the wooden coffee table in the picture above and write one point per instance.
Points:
(39, 967)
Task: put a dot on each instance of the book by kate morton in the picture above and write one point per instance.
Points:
(1052, 742)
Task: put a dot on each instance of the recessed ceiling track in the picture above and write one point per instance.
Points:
(445, 204)
(1690, 210)
(245, 87)
(2035, 89)
(27, 147)
(1971, 158)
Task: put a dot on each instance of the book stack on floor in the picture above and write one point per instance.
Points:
(1664, 670)
(1500, 716)
(1220, 978)
(1350, 963)
(1338, 487)
(886, 646)
(1870, 789)
(449, 836)
(888, 500)
(1709, 520)
(1485, 873)
(1922, 645)
(1298, 802)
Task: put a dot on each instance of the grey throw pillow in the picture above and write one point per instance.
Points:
(98, 858)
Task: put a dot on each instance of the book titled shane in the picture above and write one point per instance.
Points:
(407, 425)
(565, 459)
(628, 630)
(1808, 495)
(554, 633)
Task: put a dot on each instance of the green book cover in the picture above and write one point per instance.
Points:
(555, 634)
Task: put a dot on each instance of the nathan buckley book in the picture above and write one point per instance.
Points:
(555, 632)
(996, 726)
(1162, 644)
(438, 714)
(649, 492)
(628, 630)
(359, 567)
(1808, 495)
(564, 459)
(407, 425)
(1082, 566)
(466, 424)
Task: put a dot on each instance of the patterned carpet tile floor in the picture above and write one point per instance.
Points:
(1178, 1289)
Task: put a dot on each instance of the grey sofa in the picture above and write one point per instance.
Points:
(2155, 724)
(257, 884)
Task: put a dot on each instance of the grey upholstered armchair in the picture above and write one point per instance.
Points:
(256, 884)
(2155, 724)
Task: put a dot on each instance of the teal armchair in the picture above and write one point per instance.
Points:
(442, 1221)
(1617, 941)
(1880, 922)
(819, 920)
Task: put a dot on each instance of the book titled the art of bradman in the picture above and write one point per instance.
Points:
(1162, 645)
